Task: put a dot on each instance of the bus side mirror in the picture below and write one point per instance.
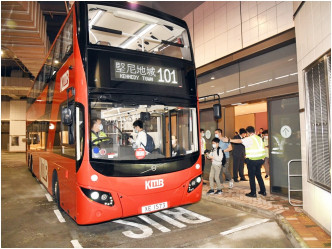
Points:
(217, 111)
(67, 116)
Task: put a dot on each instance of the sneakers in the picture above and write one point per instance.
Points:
(231, 183)
(218, 192)
(211, 191)
(262, 193)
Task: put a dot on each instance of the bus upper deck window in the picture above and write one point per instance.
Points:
(127, 29)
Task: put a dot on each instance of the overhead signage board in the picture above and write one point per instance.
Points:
(144, 73)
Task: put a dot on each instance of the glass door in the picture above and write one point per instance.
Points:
(284, 144)
(209, 124)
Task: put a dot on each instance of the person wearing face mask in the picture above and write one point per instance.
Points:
(141, 138)
(266, 159)
(177, 150)
(226, 147)
(203, 147)
(216, 156)
(96, 132)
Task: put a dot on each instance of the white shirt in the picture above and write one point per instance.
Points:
(247, 142)
(217, 160)
(141, 140)
(203, 145)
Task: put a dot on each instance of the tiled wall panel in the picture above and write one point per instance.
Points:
(221, 28)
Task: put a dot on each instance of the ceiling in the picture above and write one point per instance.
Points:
(28, 28)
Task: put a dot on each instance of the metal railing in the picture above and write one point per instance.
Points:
(289, 181)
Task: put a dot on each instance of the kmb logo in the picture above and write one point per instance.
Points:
(154, 184)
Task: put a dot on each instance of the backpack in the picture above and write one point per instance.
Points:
(223, 156)
(149, 143)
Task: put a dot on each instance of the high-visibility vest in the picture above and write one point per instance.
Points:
(257, 150)
(94, 136)
(203, 146)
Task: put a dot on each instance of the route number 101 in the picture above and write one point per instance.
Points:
(167, 76)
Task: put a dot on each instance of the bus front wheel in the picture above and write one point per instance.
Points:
(30, 165)
(56, 190)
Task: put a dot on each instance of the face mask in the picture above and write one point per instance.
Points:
(216, 135)
(173, 142)
(266, 137)
(203, 134)
(101, 126)
(214, 146)
(136, 131)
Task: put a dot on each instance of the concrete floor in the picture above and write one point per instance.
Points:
(28, 220)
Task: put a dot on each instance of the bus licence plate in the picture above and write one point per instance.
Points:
(154, 207)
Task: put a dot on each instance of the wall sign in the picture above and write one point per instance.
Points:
(286, 131)
(144, 73)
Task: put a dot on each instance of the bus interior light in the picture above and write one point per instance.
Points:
(96, 18)
(194, 183)
(143, 31)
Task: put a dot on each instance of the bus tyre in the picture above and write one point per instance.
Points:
(30, 166)
(56, 190)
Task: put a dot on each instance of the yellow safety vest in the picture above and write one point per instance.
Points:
(257, 150)
(94, 137)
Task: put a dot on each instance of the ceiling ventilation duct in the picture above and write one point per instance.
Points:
(23, 31)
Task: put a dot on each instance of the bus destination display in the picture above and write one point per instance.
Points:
(144, 73)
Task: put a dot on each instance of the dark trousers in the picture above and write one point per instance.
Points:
(254, 170)
(238, 166)
(203, 163)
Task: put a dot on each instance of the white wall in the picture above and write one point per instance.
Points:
(5, 107)
(17, 128)
(220, 28)
(313, 39)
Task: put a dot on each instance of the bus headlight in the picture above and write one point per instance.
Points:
(194, 183)
(101, 197)
(94, 195)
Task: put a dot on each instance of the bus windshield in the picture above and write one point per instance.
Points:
(113, 136)
(127, 29)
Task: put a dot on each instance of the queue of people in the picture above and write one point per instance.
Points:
(247, 148)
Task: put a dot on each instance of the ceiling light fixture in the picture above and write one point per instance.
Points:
(96, 18)
(140, 33)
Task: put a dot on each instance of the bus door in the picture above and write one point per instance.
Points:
(171, 124)
(66, 165)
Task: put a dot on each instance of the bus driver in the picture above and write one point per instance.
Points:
(97, 134)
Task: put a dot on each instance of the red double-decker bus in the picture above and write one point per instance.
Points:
(111, 64)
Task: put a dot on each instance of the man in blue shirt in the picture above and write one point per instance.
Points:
(226, 147)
